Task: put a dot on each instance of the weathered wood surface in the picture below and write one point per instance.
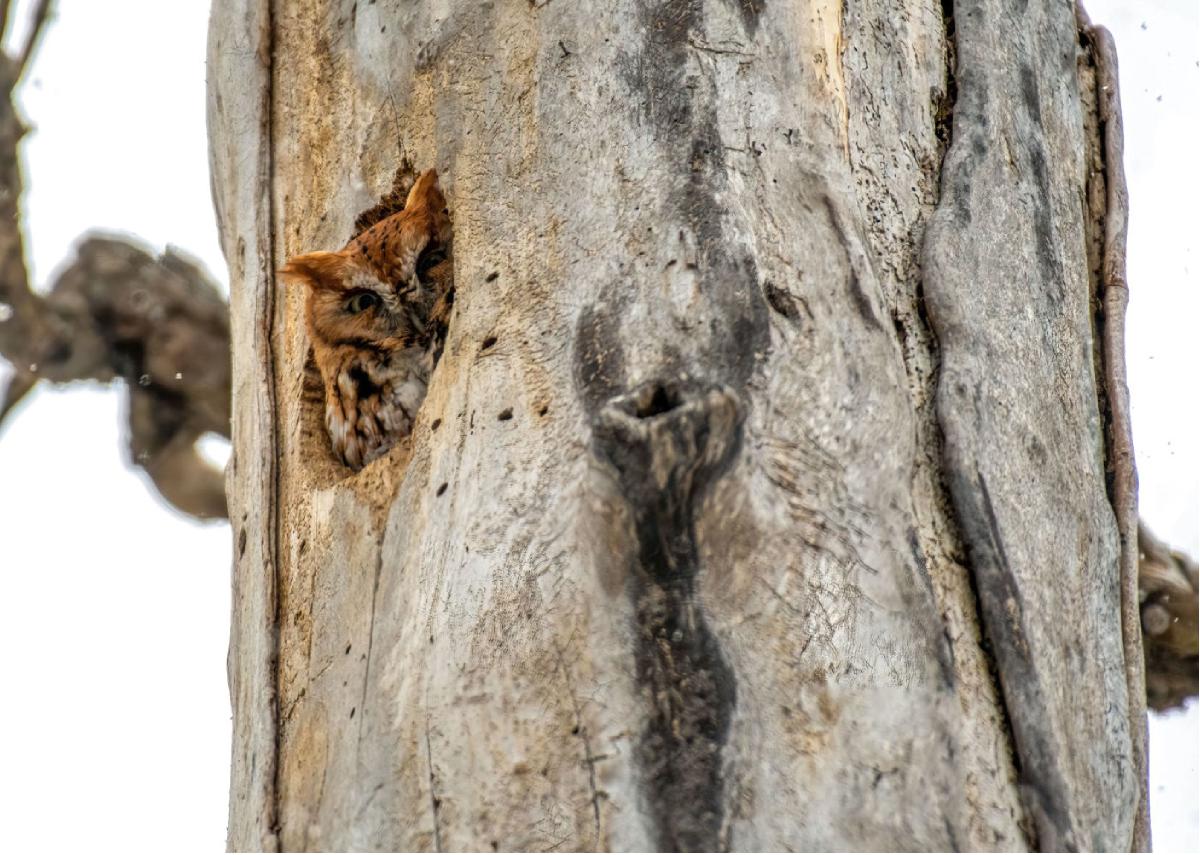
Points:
(1008, 291)
(239, 129)
(716, 582)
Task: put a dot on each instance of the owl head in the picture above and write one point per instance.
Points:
(368, 294)
(346, 302)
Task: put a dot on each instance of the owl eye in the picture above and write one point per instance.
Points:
(362, 301)
(431, 258)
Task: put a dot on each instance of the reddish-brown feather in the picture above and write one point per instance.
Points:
(374, 372)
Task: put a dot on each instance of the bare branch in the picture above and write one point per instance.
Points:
(160, 325)
(18, 317)
(41, 16)
(18, 387)
(118, 312)
(5, 8)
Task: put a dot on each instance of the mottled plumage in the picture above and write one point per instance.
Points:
(376, 313)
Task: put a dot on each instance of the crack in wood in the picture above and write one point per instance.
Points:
(434, 803)
(269, 368)
(581, 731)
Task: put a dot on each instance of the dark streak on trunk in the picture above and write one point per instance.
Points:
(854, 259)
(664, 444)
(1043, 786)
(678, 101)
(682, 430)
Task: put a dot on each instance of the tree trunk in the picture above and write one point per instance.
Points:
(771, 490)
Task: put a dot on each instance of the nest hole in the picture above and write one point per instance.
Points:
(656, 401)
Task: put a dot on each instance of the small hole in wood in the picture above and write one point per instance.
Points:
(493, 276)
(488, 342)
(505, 414)
(655, 403)
(442, 488)
(781, 301)
(437, 423)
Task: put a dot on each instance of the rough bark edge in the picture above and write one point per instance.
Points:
(241, 53)
(1119, 434)
(1049, 820)
(265, 322)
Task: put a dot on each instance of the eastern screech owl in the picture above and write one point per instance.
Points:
(376, 312)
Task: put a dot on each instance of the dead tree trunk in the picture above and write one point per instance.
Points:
(773, 490)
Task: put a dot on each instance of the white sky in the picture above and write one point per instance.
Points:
(114, 610)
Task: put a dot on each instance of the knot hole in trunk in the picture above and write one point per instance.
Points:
(667, 439)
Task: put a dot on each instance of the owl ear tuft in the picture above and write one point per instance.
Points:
(316, 269)
(425, 192)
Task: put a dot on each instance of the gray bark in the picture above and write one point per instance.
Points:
(798, 535)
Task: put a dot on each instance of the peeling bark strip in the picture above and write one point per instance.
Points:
(666, 443)
(1023, 431)
(1121, 460)
(1113, 215)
